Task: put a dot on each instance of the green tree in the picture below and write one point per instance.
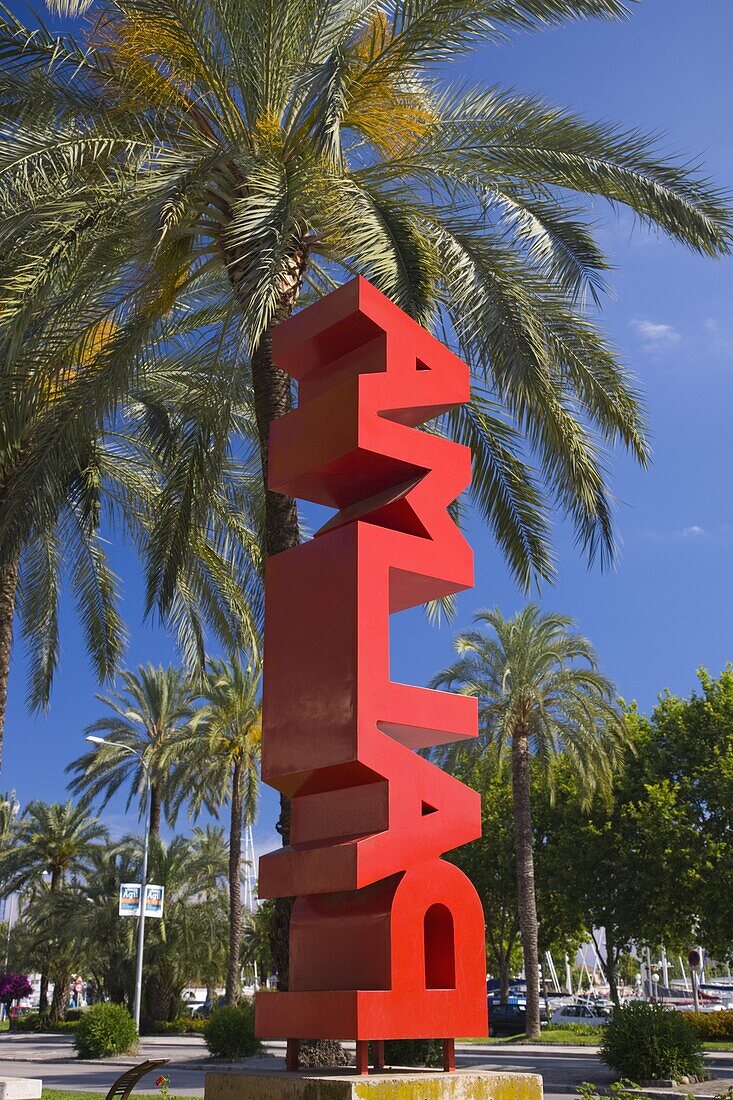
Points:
(44, 941)
(88, 908)
(186, 944)
(490, 862)
(540, 695)
(209, 871)
(277, 145)
(223, 745)
(154, 704)
(688, 757)
(51, 839)
(630, 864)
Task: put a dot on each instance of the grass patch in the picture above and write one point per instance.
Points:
(62, 1094)
(551, 1035)
(562, 1037)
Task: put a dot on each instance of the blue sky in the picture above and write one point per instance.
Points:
(666, 608)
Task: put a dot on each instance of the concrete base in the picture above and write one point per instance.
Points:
(20, 1088)
(408, 1084)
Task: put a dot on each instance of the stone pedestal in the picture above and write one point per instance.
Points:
(20, 1088)
(395, 1085)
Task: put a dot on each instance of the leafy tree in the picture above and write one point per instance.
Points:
(223, 745)
(154, 704)
(274, 146)
(630, 864)
(540, 695)
(688, 755)
(490, 862)
(51, 839)
(13, 987)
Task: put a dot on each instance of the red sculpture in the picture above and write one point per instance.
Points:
(386, 939)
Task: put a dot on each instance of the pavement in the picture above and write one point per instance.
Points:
(52, 1058)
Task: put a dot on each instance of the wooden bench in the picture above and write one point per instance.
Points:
(126, 1082)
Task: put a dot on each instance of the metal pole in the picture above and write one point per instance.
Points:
(665, 968)
(695, 998)
(141, 924)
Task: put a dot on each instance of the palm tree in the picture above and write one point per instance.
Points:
(209, 858)
(540, 694)
(190, 937)
(222, 748)
(278, 146)
(9, 807)
(153, 705)
(51, 839)
(117, 479)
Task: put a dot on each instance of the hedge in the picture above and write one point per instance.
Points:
(712, 1027)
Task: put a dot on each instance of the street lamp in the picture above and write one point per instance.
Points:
(143, 884)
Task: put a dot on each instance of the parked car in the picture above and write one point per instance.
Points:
(511, 1019)
(590, 1015)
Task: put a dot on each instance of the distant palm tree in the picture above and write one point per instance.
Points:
(154, 704)
(209, 858)
(51, 839)
(222, 749)
(8, 810)
(539, 693)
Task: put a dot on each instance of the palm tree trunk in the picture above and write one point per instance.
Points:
(154, 811)
(521, 791)
(43, 996)
(58, 1000)
(56, 878)
(235, 886)
(8, 591)
(272, 399)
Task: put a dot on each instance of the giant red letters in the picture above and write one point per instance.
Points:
(386, 938)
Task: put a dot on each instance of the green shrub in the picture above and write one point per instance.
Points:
(30, 1021)
(230, 1032)
(646, 1042)
(103, 1030)
(73, 1014)
(712, 1027)
(182, 1025)
(413, 1052)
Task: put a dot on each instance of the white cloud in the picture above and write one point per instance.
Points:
(694, 531)
(655, 335)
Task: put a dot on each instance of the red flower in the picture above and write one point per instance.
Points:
(161, 1081)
